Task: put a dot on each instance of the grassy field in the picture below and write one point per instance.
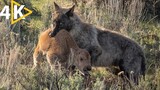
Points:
(17, 43)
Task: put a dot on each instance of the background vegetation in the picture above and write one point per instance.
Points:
(134, 18)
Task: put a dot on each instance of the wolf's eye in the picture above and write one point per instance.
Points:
(61, 23)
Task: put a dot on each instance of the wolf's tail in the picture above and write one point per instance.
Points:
(143, 66)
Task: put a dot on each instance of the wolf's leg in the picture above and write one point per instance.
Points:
(131, 65)
(94, 51)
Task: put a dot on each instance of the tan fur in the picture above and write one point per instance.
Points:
(58, 47)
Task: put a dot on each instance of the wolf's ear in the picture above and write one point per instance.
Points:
(70, 12)
(57, 7)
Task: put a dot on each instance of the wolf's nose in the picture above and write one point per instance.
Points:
(50, 34)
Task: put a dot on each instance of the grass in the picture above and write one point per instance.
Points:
(16, 48)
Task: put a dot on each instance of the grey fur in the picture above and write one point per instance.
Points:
(106, 47)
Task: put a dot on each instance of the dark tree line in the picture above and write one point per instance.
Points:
(151, 7)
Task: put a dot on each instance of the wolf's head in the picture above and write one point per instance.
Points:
(62, 19)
